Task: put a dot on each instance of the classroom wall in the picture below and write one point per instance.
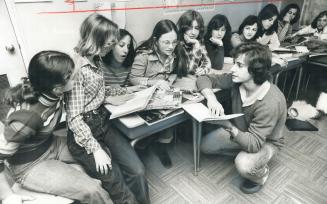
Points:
(40, 31)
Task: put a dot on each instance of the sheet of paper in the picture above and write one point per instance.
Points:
(201, 113)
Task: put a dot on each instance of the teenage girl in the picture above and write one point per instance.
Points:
(89, 128)
(248, 31)
(217, 40)
(37, 159)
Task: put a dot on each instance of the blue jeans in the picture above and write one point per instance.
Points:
(130, 164)
(113, 182)
(253, 166)
(52, 174)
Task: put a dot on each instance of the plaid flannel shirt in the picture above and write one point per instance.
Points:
(88, 94)
(199, 61)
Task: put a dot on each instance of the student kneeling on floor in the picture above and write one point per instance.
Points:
(257, 136)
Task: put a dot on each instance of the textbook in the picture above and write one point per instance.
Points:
(201, 113)
(137, 103)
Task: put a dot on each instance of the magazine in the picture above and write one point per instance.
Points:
(137, 103)
(154, 116)
(201, 113)
(165, 99)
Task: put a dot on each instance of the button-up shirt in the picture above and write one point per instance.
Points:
(148, 66)
(88, 94)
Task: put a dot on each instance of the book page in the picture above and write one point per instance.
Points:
(201, 113)
(137, 103)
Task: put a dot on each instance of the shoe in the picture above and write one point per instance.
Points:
(250, 187)
(162, 153)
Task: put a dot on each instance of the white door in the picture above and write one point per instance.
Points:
(11, 60)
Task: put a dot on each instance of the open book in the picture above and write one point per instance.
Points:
(137, 103)
(165, 99)
(201, 113)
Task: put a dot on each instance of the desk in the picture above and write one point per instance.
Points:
(293, 63)
(143, 131)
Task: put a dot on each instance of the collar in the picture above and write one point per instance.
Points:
(258, 95)
(47, 100)
(84, 61)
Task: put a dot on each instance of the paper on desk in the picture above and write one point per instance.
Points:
(302, 49)
(201, 113)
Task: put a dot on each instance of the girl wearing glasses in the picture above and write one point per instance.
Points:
(156, 61)
(217, 40)
(116, 66)
(89, 129)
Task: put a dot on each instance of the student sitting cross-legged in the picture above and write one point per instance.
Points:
(257, 136)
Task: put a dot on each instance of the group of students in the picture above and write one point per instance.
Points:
(106, 67)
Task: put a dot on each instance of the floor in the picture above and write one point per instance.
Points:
(298, 174)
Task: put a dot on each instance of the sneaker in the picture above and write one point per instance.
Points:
(250, 187)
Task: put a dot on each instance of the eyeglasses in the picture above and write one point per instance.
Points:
(167, 43)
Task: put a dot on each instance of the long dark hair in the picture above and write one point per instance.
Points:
(320, 15)
(214, 24)
(269, 11)
(286, 9)
(131, 50)
(250, 20)
(163, 27)
(46, 69)
(184, 23)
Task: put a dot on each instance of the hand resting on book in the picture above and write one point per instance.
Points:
(118, 100)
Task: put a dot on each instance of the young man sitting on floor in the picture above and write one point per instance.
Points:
(256, 136)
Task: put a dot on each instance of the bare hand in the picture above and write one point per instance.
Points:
(163, 85)
(102, 161)
(215, 107)
(216, 41)
(119, 100)
(195, 42)
(136, 88)
(17, 199)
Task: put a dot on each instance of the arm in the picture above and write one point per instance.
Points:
(75, 108)
(284, 30)
(206, 83)
(205, 65)
(137, 76)
(274, 41)
(235, 40)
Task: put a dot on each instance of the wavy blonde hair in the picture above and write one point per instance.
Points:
(94, 32)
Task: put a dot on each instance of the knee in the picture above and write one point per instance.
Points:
(139, 170)
(243, 164)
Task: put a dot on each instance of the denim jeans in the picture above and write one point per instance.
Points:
(253, 166)
(52, 174)
(113, 182)
(130, 164)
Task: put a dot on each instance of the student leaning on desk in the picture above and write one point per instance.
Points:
(156, 60)
(257, 136)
